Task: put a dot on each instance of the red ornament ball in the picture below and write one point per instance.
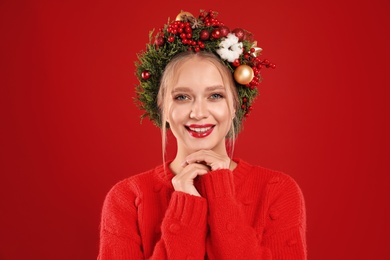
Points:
(216, 34)
(160, 41)
(145, 75)
(224, 30)
(204, 35)
(240, 33)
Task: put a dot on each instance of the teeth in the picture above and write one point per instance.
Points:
(200, 130)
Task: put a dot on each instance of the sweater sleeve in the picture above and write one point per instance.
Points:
(285, 222)
(232, 237)
(182, 233)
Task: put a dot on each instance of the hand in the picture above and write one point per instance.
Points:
(184, 181)
(207, 157)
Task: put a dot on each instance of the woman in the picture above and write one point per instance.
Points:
(203, 204)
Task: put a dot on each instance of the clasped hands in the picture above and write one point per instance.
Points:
(197, 164)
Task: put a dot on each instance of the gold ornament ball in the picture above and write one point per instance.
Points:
(243, 74)
(179, 16)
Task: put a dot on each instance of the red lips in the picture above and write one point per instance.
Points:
(200, 131)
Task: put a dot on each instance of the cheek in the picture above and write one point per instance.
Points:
(177, 114)
(221, 112)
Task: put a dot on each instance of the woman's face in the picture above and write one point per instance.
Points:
(199, 114)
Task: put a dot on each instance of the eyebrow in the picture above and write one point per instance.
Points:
(209, 89)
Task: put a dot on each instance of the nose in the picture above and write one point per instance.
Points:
(199, 110)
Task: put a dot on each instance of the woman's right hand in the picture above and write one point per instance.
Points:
(184, 181)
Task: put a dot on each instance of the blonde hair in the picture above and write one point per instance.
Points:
(169, 79)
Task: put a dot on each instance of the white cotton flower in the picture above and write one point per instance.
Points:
(229, 48)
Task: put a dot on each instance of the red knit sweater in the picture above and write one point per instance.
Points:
(248, 213)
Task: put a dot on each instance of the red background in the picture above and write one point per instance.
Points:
(70, 129)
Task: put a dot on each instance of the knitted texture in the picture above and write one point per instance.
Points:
(248, 213)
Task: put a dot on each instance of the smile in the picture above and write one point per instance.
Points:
(200, 131)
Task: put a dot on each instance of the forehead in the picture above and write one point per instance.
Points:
(198, 72)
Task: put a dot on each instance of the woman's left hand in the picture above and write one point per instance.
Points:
(211, 159)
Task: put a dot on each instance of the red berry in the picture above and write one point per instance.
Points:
(171, 38)
(145, 75)
(204, 35)
(236, 63)
(188, 29)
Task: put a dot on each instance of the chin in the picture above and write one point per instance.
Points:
(204, 146)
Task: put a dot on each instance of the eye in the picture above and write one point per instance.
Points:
(180, 97)
(216, 96)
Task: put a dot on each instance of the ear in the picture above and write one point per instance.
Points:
(233, 114)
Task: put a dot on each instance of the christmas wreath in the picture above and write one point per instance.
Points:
(236, 48)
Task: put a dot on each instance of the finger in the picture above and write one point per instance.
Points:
(213, 160)
(200, 157)
(195, 158)
(184, 181)
(186, 176)
(195, 169)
